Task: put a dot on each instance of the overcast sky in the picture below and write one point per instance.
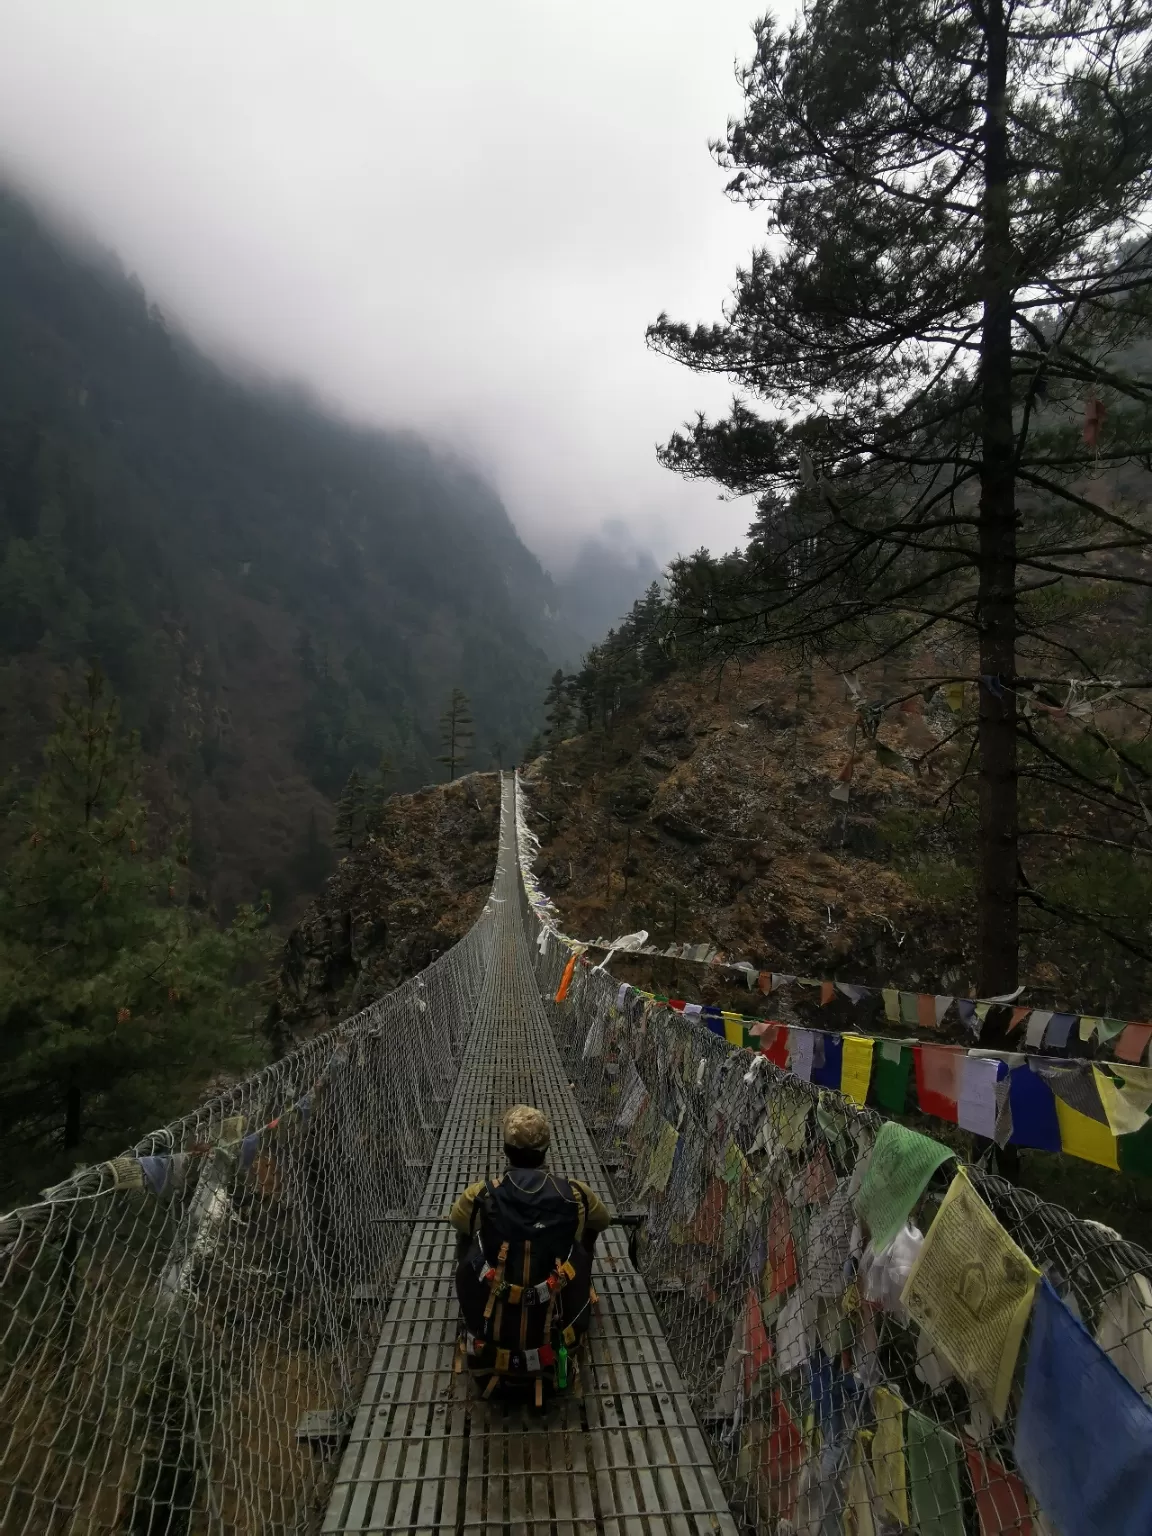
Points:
(457, 215)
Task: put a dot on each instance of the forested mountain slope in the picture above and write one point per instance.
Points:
(278, 596)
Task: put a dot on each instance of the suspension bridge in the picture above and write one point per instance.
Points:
(247, 1322)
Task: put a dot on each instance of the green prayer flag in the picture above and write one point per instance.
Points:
(890, 1081)
(909, 1009)
(1134, 1151)
(902, 1163)
(1108, 1029)
(933, 1477)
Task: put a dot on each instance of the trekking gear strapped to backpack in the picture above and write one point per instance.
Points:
(525, 1285)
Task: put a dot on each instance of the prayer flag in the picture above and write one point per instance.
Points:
(1034, 1122)
(902, 1162)
(1081, 1136)
(800, 1047)
(733, 1028)
(660, 1165)
(1059, 1029)
(856, 1073)
(893, 1069)
(889, 1470)
(781, 1250)
(971, 1290)
(566, 978)
(976, 1107)
(828, 1075)
(926, 1010)
(938, 1070)
(1083, 1433)
(934, 1477)
(1001, 1499)
(1133, 1042)
(827, 992)
(891, 1004)
(1125, 1094)
(910, 1009)
(774, 1045)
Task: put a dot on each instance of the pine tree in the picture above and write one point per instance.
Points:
(455, 731)
(378, 793)
(943, 322)
(558, 707)
(349, 822)
(117, 997)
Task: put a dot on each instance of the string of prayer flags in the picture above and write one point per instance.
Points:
(1083, 1433)
(902, 1162)
(971, 1290)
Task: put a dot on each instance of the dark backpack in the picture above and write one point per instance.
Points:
(524, 1286)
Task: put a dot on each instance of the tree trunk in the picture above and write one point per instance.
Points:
(996, 603)
(73, 1116)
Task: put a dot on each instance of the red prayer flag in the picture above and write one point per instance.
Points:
(926, 1010)
(781, 1249)
(1133, 1042)
(566, 979)
(765, 982)
(1094, 413)
(757, 1344)
(709, 1215)
(774, 1045)
(1001, 1502)
(827, 992)
(938, 1070)
(1018, 1017)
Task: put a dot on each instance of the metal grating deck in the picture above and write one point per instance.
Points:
(425, 1455)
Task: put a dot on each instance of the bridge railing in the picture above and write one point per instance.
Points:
(827, 1407)
(184, 1329)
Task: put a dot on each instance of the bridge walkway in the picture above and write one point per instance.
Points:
(625, 1456)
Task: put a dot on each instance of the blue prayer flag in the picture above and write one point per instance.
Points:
(1034, 1122)
(1083, 1434)
(827, 1073)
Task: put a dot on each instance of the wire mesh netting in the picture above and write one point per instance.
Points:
(184, 1329)
(829, 1408)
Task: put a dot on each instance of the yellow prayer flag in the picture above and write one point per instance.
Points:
(1126, 1103)
(733, 1028)
(954, 696)
(1089, 1024)
(971, 1290)
(857, 1504)
(856, 1068)
(662, 1154)
(1081, 1136)
(888, 1466)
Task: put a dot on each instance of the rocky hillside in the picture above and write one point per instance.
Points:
(707, 815)
(391, 907)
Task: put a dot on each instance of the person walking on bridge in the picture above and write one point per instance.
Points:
(524, 1249)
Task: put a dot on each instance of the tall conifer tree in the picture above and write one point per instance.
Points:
(942, 332)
